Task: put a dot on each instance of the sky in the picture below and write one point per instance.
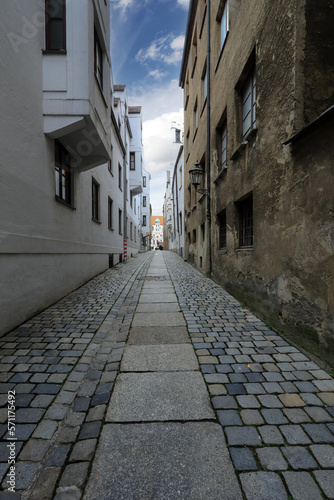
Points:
(147, 38)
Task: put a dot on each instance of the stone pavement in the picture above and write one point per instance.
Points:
(112, 402)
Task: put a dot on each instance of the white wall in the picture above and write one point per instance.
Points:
(46, 248)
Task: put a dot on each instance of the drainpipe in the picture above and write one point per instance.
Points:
(208, 132)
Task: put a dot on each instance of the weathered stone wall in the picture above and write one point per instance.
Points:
(287, 276)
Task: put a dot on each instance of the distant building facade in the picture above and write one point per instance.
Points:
(177, 199)
(146, 214)
(157, 224)
(265, 231)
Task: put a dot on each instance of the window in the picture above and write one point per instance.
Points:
(189, 238)
(95, 199)
(110, 162)
(110, 214)
(55, 26)
(245, 212)
(144, 181)
(120, 177)
(195, 118)
(135, 206)
(98, 60)
(181, 176)
(204, 84)
(224, 24)
(203, 231)
(186, 92)
(144, 220)
(63, 173)
(194, 235)
(131, 199)
(249, 103)
(180, 216)
(144, 201)
(135, 234)
(130, 230)
(188, 143)
(194, 50)
(120, 221)
(222, 229)
(222, 145)
(132, 161)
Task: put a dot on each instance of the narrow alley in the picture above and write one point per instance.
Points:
(151, 382)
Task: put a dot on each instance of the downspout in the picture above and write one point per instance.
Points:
(208, 132)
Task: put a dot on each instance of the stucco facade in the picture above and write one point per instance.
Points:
(60, 148)
(271, 159)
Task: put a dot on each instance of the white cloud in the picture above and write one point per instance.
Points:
(161, 106)
(166, 49)
(156, 74)
(183, 3)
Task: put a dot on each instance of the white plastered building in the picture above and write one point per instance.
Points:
(59, 144)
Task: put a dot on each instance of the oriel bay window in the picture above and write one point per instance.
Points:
(63, 174)
(55, 25)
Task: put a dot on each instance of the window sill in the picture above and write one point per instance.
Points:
(186, 102)
(96, 220)
(244, 249)
(204, 106)
(221, 174)
(221, 51)
(63, 202)
(252, 133)
(58, 52)
(101, 90)
(194, 67)
(222, 251)
(239, 150)
(110, 228)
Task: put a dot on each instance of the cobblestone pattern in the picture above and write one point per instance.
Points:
(275, 405)
(62, 365)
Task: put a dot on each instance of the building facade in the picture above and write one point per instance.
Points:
(167, 210)
(146, 212)
(62, 143)
(177, 197)
(262, 88)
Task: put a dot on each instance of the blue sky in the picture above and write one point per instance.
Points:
(147, 38)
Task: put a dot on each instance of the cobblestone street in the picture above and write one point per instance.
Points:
(152, 382)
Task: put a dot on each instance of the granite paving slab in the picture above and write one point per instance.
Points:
(149, 297)
(158, 307)
(159, 318)
(140, 397)
(163, 461)
(142, 335)
(152, 358)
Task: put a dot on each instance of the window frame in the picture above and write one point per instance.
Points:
(222, 230)
(132, 161)
(110, 214)
(144, 181)
(63, 174)
(249, 90)
(224, 24)
(246, 222)
(49, 19)
(120, 221)
(144, 201)
(98, 60)
(95, 200)
(120, 183)
(144, 220)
